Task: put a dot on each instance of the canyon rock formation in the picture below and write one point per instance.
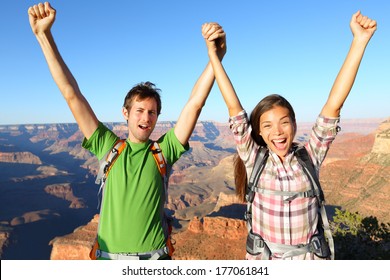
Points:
(20, 157)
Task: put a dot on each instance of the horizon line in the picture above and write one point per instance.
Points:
(199, 121)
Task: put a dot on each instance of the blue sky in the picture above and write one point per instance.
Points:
(294, 48)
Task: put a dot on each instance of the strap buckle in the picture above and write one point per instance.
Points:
(247, 215)
(255, 244)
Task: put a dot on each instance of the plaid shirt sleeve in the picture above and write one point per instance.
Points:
(246, 147)
(322, 135)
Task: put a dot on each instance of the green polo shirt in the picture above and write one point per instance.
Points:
(130, 218)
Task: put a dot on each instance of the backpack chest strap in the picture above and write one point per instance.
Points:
(291, 195)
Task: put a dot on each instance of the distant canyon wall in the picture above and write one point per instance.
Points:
(360, 182)
(19, 157)
(382, 139)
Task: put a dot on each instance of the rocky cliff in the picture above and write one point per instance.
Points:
(212, 238)
(359, 180)
(381, 148)
(76, 245)
(211, 232)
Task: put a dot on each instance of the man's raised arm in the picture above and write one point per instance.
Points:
(201, 90)
(42, 17)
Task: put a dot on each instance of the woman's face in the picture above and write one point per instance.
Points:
(278, 130)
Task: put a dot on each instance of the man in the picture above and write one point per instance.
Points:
(131, 220)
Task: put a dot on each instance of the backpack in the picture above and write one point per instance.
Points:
(321, 244)
(107, 162)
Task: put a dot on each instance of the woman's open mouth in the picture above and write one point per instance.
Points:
(280, 144)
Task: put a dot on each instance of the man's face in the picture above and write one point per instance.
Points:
(141, 119)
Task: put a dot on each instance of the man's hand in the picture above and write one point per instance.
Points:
(41, 17)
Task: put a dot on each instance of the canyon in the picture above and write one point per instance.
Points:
(48, 202)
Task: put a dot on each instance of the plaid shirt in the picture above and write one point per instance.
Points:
(275, 220)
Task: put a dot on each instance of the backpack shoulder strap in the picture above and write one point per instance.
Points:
(308, 167)
(161, 165)
(258, 166)
(106, 164)
(159, 158)
(108, 159)
(167, 221)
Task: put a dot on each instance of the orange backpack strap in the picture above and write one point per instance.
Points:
(161, 164)
(107, 162)
(95, 247)
(164, 171)
(159, 158)
(108, 159)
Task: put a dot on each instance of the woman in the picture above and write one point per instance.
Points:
(283, 226)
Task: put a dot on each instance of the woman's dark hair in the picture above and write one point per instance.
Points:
(143, 91)
(267, 103)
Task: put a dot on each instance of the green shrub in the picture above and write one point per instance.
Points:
(358, 238)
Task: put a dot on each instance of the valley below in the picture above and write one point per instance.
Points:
(49, 199)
